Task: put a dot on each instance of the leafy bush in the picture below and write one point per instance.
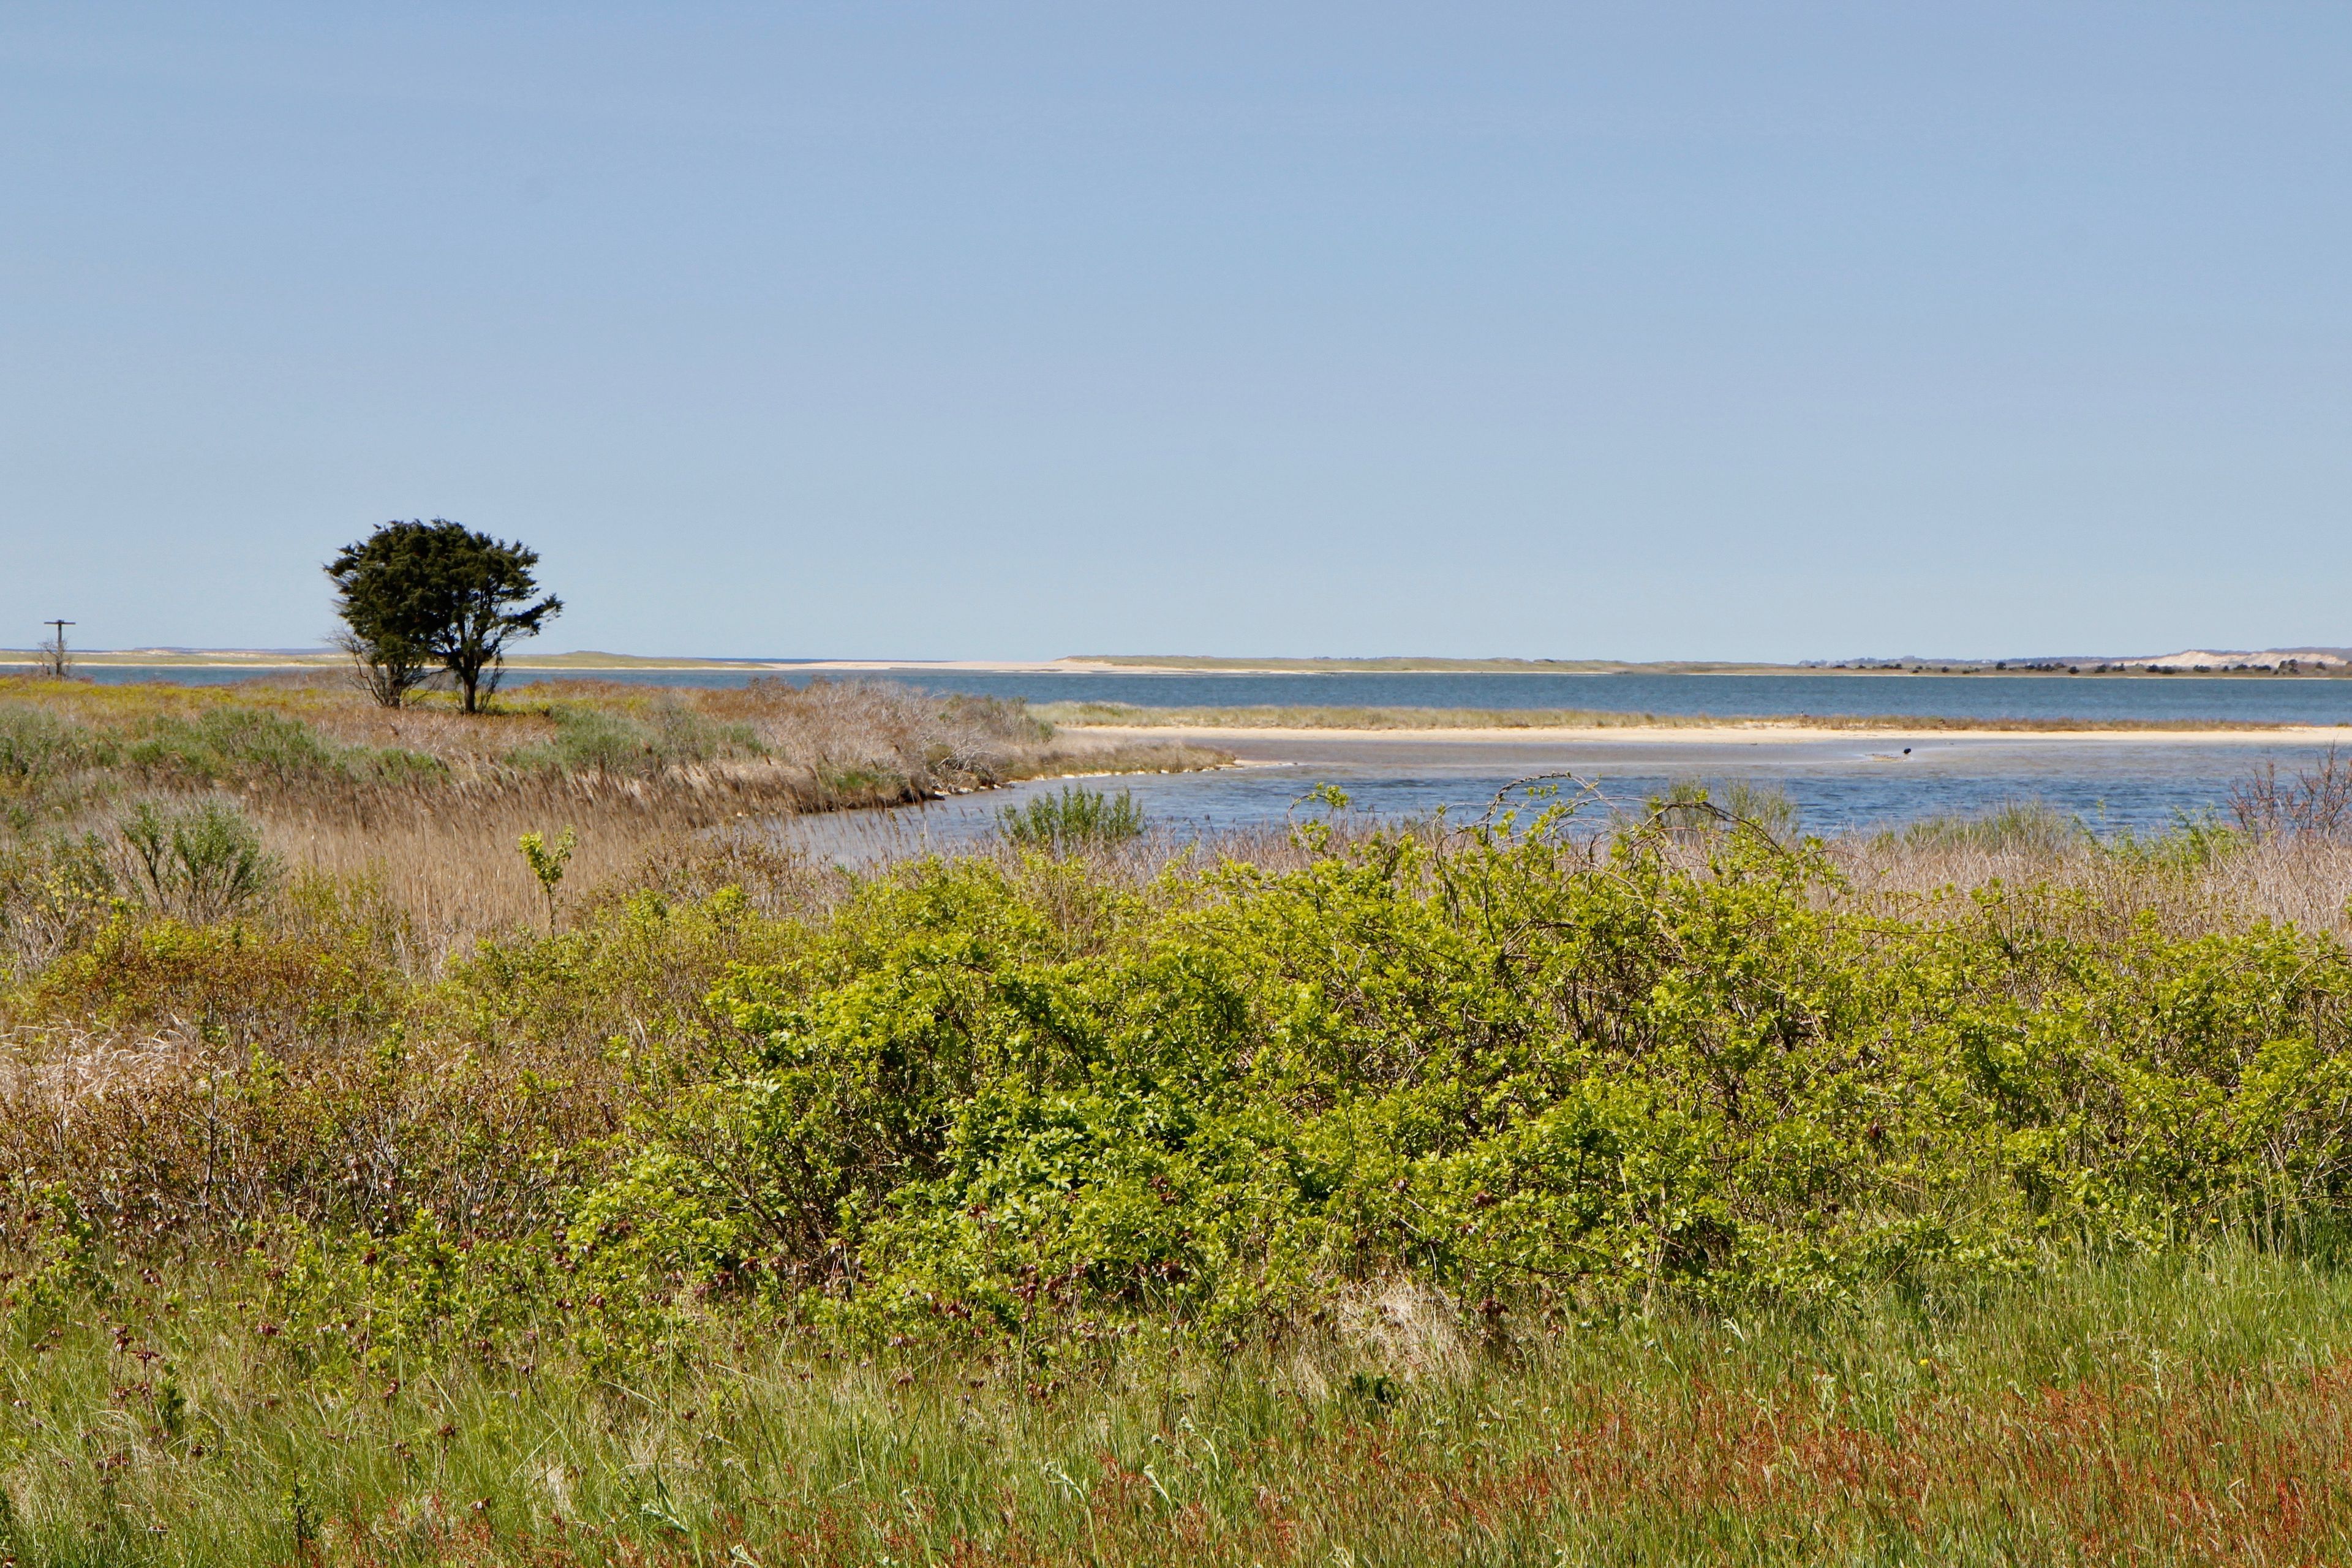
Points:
(683, 735)
(592, 740)
(36, 744)
(228, 743)
(202, 863)
(1023, 1098)
(1014, 1100)
(1076, 818)
(395, 765)
(55, 894)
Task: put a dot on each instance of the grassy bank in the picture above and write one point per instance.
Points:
(2155, 1412)
(1663, 1188)
(427, 803)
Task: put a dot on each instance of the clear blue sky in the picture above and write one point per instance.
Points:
(1018, 330)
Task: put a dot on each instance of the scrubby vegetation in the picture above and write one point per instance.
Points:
(430, 802)
(1074, 818)
(1661, 1187)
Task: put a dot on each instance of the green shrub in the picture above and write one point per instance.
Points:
(396, 765)
(1026, 1098)
(55, 894)
(202, 863)
(591, 740)
(683, 735)
(1020, 1098)
(225, 744)
(36, 744)
(603, 740)
(1074, 818)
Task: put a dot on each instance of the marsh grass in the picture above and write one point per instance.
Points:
(2199, 879)
(429, 804)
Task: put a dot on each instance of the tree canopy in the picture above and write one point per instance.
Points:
(416, 595)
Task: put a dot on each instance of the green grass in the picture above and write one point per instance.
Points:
(2024, 826)
(644, 743)
(2179, 1410)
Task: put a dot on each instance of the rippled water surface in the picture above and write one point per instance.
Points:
(1837, 785)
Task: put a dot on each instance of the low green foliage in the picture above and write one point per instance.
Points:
(634, 743)
(201, 863)
(217, 744)
(1075, 817)
(1696, 809)
(56, 892)
(2128, 1411)
(46, 766)
(222, 745)
(35, 743)
(1008, 1103)
(1011, 1098)
(2022, 827)
(546, 860)
(1290, 1149)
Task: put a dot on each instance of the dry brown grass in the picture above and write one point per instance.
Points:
(58, 1070)
(427, 804)
(2305, 880)
(457, 875)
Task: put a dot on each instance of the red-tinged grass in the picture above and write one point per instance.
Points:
(2152, 1412)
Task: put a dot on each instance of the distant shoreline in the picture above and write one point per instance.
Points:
(597, 662)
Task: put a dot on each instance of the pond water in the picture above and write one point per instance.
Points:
(1837, 785)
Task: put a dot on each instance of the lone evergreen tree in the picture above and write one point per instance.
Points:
(414, 595)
